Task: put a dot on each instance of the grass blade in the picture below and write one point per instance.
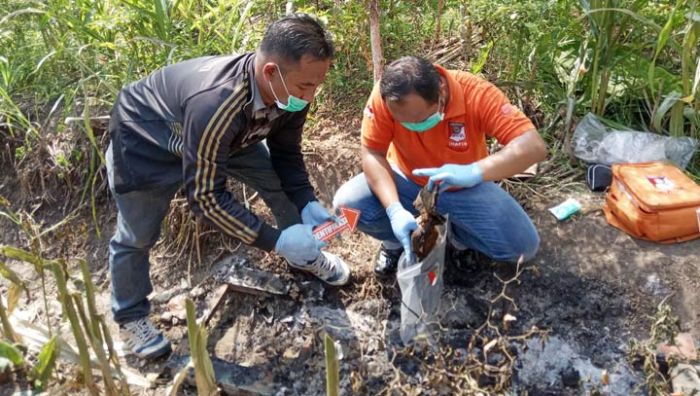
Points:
(19, 254)
(90, 299)
(69, 311)
(203, 368)
(11, 275)
(676, 125)
(95, 341)
(7, 329)
(11, 353)
(332, 369)
(664, 35)
(13, 294)
(665, 106)
(690, 40)
(243, 17)
(696, 79)
(626, 12)
(41, 373)
(483, 57)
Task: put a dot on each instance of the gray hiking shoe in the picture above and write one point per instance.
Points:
(328, 267)
(142, 339)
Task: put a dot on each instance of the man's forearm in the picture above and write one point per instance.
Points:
(518, 155)
(379, 176)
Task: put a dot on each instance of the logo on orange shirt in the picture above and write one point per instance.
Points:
(369, 113)
(458, 137)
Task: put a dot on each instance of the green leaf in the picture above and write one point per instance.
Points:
(19, 254)
(483, 57)
(7, 330)
(690, 40)
(11, 275)
(692, 115)
(47, 362)
(676, 124)
(11, 352)
(693, 16)
(13, 294)
(203, 368)
(332, 369)
(664, 35)
(665, 106)
(629, 13)
(161, 18)
(696, 79)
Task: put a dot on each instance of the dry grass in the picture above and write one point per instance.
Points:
(643, 354)
(485, 367)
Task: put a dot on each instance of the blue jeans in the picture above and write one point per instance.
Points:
(139, 218)
(483, 218)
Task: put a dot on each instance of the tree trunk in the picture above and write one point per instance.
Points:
(439, 19)
(375, 39)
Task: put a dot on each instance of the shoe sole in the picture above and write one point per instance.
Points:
(340, 282)
(154, 351)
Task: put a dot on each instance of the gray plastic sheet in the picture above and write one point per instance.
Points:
(596, 142)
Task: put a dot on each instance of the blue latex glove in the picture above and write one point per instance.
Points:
(314, 214)
(298, 245)
(402, 223)
(452, 175)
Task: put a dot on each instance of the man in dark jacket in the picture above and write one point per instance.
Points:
(201, 121)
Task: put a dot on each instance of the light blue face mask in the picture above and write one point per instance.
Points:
(293, 103)
(426, 124)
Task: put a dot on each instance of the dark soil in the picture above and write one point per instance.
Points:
(591, 287)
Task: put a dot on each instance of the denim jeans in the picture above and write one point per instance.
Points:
(139, 218)
(483, 218)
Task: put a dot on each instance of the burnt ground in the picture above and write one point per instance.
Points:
(591, 288)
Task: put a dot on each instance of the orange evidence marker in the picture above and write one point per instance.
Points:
(347, 220)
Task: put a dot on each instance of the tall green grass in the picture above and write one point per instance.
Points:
(332, 366)
(87, 325)
(632, 61)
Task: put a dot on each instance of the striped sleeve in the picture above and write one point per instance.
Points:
(288, 160)
(209, 129)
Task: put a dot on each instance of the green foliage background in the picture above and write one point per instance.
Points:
(69, 58)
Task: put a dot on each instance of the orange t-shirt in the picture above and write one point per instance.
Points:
(476, 109)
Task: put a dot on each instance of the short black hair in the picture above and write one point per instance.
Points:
(410, 74)
(297, 35)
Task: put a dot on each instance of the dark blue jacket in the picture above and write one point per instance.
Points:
(184, 121)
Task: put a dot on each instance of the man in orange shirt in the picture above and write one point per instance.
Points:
(427, 125)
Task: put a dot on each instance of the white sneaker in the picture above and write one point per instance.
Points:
(142, 339)
(328, 267)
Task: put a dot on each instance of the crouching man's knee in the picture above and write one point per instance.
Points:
(526, 245)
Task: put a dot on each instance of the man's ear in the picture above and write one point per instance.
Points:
(269, 69)
(443, 87)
